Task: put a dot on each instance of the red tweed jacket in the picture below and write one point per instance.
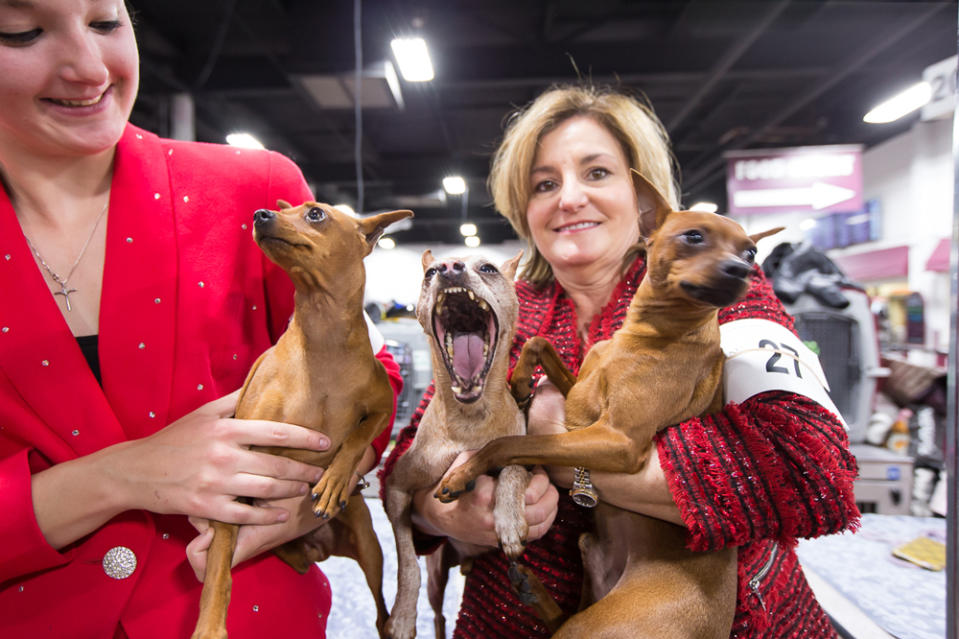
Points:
(757, 475)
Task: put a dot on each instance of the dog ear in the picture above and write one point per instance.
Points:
(508, 269)
(755, 237)
(283, 204)
(653, 207)
(373, 226)
(427, 259)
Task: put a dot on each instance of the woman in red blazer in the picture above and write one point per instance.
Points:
(134, 302)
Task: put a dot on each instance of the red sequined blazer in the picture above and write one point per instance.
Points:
(757, 475)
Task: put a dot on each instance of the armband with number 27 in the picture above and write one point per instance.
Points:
(762, 356)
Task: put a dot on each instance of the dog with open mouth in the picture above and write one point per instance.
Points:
(468, 309)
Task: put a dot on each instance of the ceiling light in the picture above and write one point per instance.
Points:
(807, 224)
(705, 207)
(454, 185)
(386, 243)
(467, 229)
(346, 208)
(413, 58)
(244, 141)
(472, 241)
(901, 104)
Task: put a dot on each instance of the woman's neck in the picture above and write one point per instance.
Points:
(590, 290)
(45, 190)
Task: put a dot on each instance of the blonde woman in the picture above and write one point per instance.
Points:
(757, 475)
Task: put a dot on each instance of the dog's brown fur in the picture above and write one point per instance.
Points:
(470, 298)
(299, 381)
(663, 366)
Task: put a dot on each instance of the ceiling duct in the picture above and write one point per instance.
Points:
(380, 88)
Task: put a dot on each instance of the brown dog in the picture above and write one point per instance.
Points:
(468, 309)
(327, 341)
(663, 366)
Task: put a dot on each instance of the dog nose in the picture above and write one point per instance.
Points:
(735, 268)
(262, 216)
(451, 268)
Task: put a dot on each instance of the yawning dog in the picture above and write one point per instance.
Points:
(468, 309)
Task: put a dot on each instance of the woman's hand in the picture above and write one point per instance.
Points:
(469, 519)
(252, 539)
(645, 492)
(200, 463)
(195, 466)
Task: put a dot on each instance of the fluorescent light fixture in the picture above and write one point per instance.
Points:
(244, 141)
(901, 104)
(705, 207)
(413, 58)
(346, 208)
(807, 224)
(467, 229)
(454, 185)
(386, 243)
(472, 241)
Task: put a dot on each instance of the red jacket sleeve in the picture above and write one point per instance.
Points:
(24, 548)
(396, 381)
(776, 466)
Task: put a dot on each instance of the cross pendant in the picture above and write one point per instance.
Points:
(65, 292)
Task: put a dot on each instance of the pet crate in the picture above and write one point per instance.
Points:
(848, 348)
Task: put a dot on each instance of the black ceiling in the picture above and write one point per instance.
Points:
(721, 75)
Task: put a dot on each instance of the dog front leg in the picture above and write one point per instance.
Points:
(598, 447)
(217, 583)
(509, 511)
(332, 492)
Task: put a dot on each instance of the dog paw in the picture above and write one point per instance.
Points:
(450, 490)
(329, 498)
(512, 541)
(519, 580)
(400, 627)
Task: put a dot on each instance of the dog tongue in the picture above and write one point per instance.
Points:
(467, 355)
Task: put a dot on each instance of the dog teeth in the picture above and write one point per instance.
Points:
(456, 389)
(470, 293)
(449, 344)
(485, 349)
(483, 305)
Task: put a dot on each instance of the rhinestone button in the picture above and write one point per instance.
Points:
(119, 562)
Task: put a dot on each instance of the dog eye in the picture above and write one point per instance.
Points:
(749, 255)
(428, 274)
(693, 237)
(487, 268)
(315, 214)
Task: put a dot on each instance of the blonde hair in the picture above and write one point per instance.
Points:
(631, 121)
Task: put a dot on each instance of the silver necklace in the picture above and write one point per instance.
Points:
(62, 281)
